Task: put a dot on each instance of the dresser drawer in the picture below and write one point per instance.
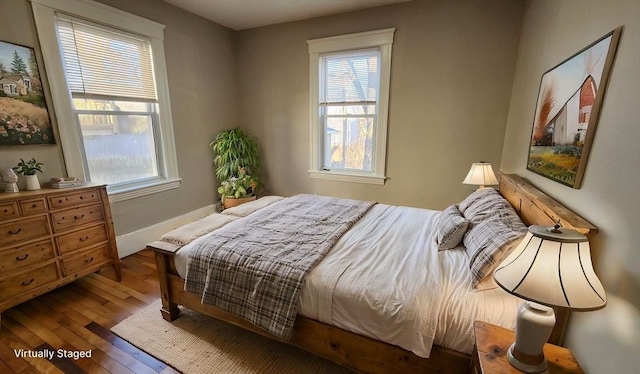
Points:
(67, 200)
(18, 283)
(24, 229)
(33, 206)
(73, 241)
(82, 262)
(24, 255)
(75, 217)
(9, 210)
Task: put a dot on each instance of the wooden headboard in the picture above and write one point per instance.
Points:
(536, 208)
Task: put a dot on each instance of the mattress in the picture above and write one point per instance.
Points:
(385, 279)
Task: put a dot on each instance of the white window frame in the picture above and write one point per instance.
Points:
(382, 39)
(44, 12)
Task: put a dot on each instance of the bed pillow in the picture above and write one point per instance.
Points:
(450, 228)
(488, 282)
(475, 196)
(489, 240)
(186, 234)
(245, 209)
(482, 204)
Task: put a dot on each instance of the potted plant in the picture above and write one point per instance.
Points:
(29, 169)
(237, 162)
(238, 190)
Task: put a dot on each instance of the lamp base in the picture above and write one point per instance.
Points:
(528, 364)
(533, 327)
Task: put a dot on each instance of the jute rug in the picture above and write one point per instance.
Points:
(195, 343)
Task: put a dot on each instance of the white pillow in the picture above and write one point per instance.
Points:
(245, 209)
(184, 235)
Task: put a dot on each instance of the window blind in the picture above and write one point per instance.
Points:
(100, 61)
(351, 77)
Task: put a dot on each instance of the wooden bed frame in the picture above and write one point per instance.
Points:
(356, 351)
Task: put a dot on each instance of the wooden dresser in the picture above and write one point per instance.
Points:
(50, 237)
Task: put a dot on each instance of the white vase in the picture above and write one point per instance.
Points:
(32, 182)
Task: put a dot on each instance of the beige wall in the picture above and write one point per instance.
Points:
(201, 69)
(451, 76)
(606, 341)
(453, 70)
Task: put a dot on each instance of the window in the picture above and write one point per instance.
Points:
(349, 104)
(109, 86)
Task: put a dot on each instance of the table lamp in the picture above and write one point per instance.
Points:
(480, 174)
(550, 267)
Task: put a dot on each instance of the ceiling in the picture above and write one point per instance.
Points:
(246, 14)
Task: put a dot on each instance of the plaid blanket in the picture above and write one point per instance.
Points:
(255, 267)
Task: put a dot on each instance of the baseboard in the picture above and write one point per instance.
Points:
(136, 241)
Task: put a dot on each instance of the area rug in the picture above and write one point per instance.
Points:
(195, 343)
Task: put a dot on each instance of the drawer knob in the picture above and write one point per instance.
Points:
(27, 283)
(22, 258)
(34, 205)
(15, 232)
(84, 239)
(89, 260)
(78, 217)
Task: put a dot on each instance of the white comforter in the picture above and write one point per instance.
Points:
(385, 279)
(462, 305)
(380, 280)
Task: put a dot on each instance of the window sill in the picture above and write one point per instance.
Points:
(347, 177)
(127, 192)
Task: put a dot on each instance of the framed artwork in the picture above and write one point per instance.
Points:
(24, 118)
(566, 116)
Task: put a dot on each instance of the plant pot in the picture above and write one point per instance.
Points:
(32, 182)
(230, 202)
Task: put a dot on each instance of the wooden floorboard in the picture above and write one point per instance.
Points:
(123, 345)
(78, 317)
(66, 366)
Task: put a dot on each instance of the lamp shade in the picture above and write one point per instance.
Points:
(552, 266)
(480, 174)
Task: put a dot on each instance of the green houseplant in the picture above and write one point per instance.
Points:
(242, 186)
(237, 162)
(29, 169)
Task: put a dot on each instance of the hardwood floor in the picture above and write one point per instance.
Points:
(78, 317)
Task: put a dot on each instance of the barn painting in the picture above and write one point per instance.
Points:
(569, 100)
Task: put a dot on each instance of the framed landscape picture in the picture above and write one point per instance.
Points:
(569, 101)
(24, 118)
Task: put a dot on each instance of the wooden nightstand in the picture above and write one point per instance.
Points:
(493, 342)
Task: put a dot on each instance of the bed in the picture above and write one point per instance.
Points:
(334, 324)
